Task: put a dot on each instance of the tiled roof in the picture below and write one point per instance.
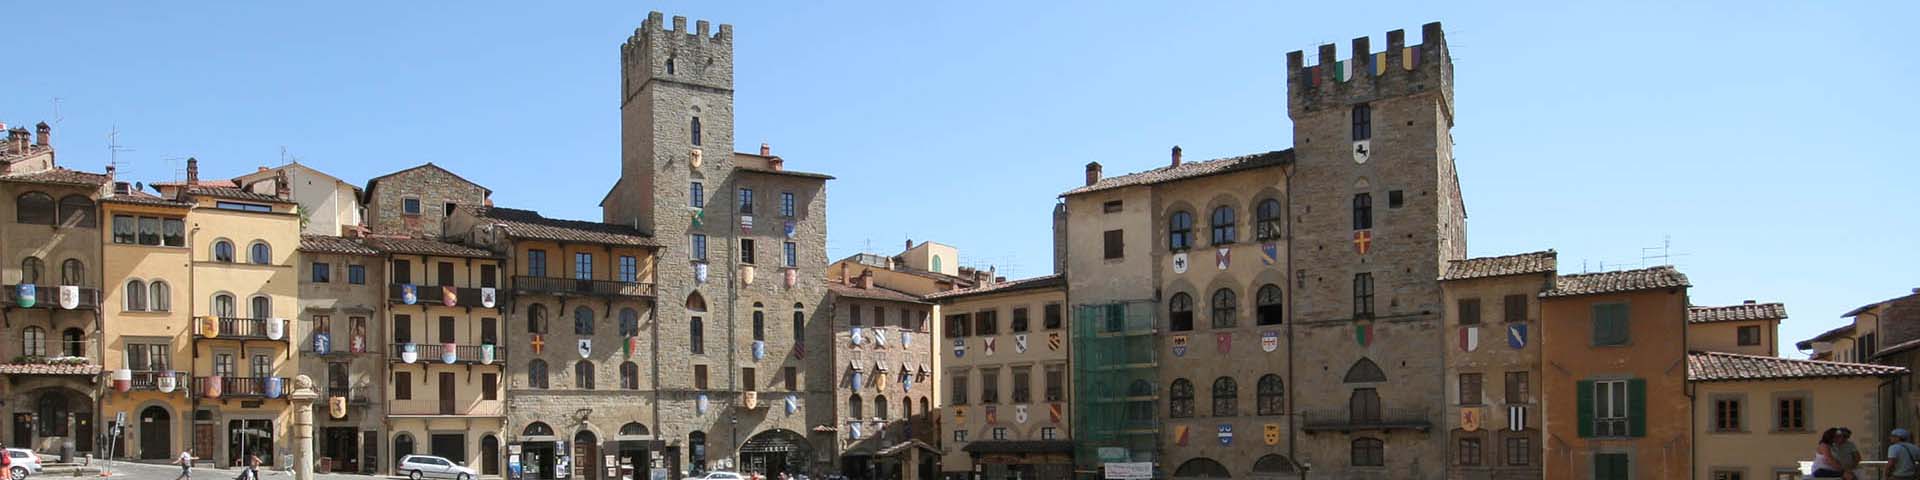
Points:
(333, 244)
(770, 171)
(1035, 283)
(875, 293)
(203, 183)
(1863, 308)
(1517, 264)
(530, 224)
(236, 194)
(1189, 170)
(1720, 367)
(1824, 336)
(1735, 313)
(144, 198)
(59, 176)
(1617, 281)
(421, 246)
(375, 181)
(1884, 351)
(45, 369)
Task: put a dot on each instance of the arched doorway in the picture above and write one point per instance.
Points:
(402, 446)
(489, 455)
(1201, 468)
(586, 455)
(773, 452)
(1273, 467)
(537, 441)
(156, 432)
(632, 442)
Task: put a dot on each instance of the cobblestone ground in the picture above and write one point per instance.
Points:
(144, 471)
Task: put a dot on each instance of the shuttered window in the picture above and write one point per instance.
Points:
(1612, 408)
(1610, 324)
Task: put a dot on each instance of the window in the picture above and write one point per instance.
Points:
(696, 336)
(1396, 199)
(791, 254)
(582, 266)
(30, 270)
(1271, 309)
(854, 407)
(260, 307)
(1180, 312)
(799, 327)
(244, 207)
(582, 321)
(1726, 414)
(1469, 450)
(1749, 335)
(1469, 389)
(223, 306)
(700, 377)
(445, 272)
(536, 263)
(1271, 396)
(1363, 406)
(1612, 408)
(1362, 211)
(790, 378)
(403, 385)
(402, 329)
(958, 325)
(746, 201)
(34, 208)
(222, 250)
(1111, 206)
(489, 276)
(446, 209)
(786, 204)
(957, 391)
(1722, 474)
(136, 296)
(1520, 450)
(629, 322)
(1267, 220)
(1790, 414)
(1019, 319)
(1469, 311)
(402, 271)
(149, 357)
(1022, 384)
(629, 269)
(1180, 231)
(489, 386)
(1180, 399)
(1226, 397)
(999, 433)
(1051, 316)
(1222, 223)
(446, 329)
(1368, 452)
(33, 342)
(322, 272)
(1140, 411)
(73, 343)
(1517, 387)
(1363, 295)
(1056, 382)
(160, 298)
(537, 374)
(583, 375)
(759, 323)
(1049, 433)
(126, 229)
(173, 232)
(746, 251)
(150, 229)
(697, 195)
(694, 131)
(536, 318)
(73, 272)
(1114, 244)
(410, 206)
(1225, 308)
(1516, 308)
(1362, 122)
(990, 385)
(855, 318)
(960, 436)
(1610, 324)
(1611, 466)
(697, 247)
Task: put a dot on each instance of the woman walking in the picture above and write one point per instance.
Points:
(1824, 465)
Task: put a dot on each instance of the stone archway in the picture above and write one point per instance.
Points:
(156, 431)
(1202, 467)
(773, 452)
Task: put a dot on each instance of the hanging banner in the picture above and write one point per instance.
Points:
(1470, 419)
(1180, 262)
(538, 343)
(1269, 341)
(586, 347)
(167, 381)
(993, 414)
(1019, 343)
(630, 346)
(700, 272)
(1363, 241)
(1516, 417)
(358, 343)
(857, 337)
(1053, 341)
(1271, 433)
(1179, 345)
(1363, 332)
(746, 275)
(793, 404)
(1469, 338)
(1362, 151)
(486, 354)
(1269, 253)
(879, 338)
(1180, 435)
(959, 415)
(793, 276)
(25, 297)
(322, 343)
(488, 297)
(1224, 342)
(986, 345)
(906, 340)
(213, 388)
(750, 399)
(746, 223)
(408, 294)
(209, 327)
(449, 296)
(1517, 335)
(1055, 412)
(337, 407)
(276, 328)
(788, 229)
(759, 349)
(70, 297)
(1223, 256)
(1226, 434)
(1378, 66)
(1020, 414)
(853, 427)
(1410, 57)
(123, 380)
(959, 347)
(274, 385)
(409, 352)
(449, 353)
(701, 404)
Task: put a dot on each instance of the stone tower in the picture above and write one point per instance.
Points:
(1378, 213)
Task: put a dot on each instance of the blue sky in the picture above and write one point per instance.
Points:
(1765, 141)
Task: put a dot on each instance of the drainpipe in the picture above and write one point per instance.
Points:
(733, 367)
(193, 300)
(1293, 414)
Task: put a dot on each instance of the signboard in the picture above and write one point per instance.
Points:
(1112, 454)
(1129, 470)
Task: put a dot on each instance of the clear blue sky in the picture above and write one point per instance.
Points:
(1773, 144)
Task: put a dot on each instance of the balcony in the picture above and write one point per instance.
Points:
(238, 328)
(433, 353)
(435, 295)
(241, 387)
(569, 286)
(149, 381)
(48, 297)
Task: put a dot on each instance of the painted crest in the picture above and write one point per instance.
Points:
(1517, 335)
(788, 229)
(1180, 435)
(879, 337)
(489, 297)
(539, 343)
(1363, 332)
(793, 404)
(1053, 341)
(959, 347)
(1223, 342)
(1469, 338)
(1410, 57)
(693, 158)
(586, 347)
(1269, 253)
(1362, 241)
(123, 380)
(409, 294)
(1226, 434)
(906, 380)
(276, 328)
(449, 296)
(209, 327)
(759, 349)
(1223, 256)
(167, 381)
(409, 352)
(25, 296)
(906, 340)
(1269, 341)
(337, 407)
(1342, 70)
(993, 414)
(858, 381)
(700, 272)
(1179, 345)
(750, 399)
(959, 415)
(746, 223)
(1378, 65)
(701, 404)
(213, 388)
(986, 344)
(1020, 414)
(698, 216)
(274, 386)
(632, 345)
(1271, 433)
(1470, 419)
(486, 354)
(793, 276)
(1362, 151)
(1180, 262)
(853, 430)
(746, 275)
(70, 297)
(1020, 343)
(1516, 417)
(857, 336)
(1054, 412)
(322, 343)
(449, 353)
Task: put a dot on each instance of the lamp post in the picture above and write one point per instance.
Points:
(733, 431)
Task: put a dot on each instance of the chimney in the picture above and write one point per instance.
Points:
(866, 278)
(1093, 173)
(909, 245)
(43, 134)
(999, 279)
(776, 164)
(766, 150)
(280, 187)
(1176, 155)
(843, 274)
(993, 271)
(121, 188)
(17, 141)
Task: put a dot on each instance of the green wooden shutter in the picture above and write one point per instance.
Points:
(1637, 407)
(1584, 396)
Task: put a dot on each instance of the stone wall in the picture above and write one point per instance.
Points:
(433, 186)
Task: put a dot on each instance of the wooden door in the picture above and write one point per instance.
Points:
(446, 393)
(156, 427)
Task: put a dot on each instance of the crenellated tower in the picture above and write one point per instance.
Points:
(676, 115)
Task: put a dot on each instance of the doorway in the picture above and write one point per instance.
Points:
(341, 447)
(249, 438)
(586, 455)
(156, 427)
(489, 455)
(22, 430)
(539, 461)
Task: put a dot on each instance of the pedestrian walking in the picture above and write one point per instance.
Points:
(1901, 456)
(186, 464)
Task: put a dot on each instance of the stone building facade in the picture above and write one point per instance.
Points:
(736, 230)
(414, 202)
(1028, 434)
(1492, 351)
(344, 349)
(1612, 364)
(883, 359)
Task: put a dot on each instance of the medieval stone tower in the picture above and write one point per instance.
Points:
(1378, 212)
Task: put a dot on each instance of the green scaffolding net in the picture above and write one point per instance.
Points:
(1115, 377)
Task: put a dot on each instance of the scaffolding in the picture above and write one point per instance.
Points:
(1115, 394)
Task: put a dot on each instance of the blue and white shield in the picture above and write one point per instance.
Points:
(793, 404)
(408, 294)
(409, 353)
(789, 229)
(1226, 434)
(700, 273)
(322, 343)
(26, 296)
(959, 347)
(701, 405)
(274, 384)
(857, 337)
(759, 349)
(1517, 335)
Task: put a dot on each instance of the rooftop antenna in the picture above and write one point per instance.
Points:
(114, 147)
(1663, 253)
(56, 111)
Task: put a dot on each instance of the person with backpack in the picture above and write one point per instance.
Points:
(1902, 456)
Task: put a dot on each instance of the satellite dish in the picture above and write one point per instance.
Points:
(138, 186)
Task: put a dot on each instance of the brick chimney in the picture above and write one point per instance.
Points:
(866, 279)
(1093, 173)
(844, 279)
(43, 134)
(193, 171)
(17, 141)
(281, 188)
(1176, 155)
(766, 150)
(909, 245)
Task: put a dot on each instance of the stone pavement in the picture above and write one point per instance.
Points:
(147, 471)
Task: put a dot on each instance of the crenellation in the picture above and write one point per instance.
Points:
(1365, 75)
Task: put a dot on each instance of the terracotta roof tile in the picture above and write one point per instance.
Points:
(1735, 313)
(1188, 170)
(1720, 367)
(1617, 281)
(421, 246)
(336, 245)
(1035, 283)
(45, 369)
(59, 176)
(530, 224)
(1517, 264)
(1824, 336)
(236, 194)
(875, 293)
(144, 198)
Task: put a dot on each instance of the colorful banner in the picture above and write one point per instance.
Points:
(408, 294)
(1223, 256)
(1269, 253)
(123, 380)
(213, 387)
(409, 352)
(25, 297)
(1020, 343)
(1269, 341)
(1223, 342)
(70, 297)
(274, 385)
(1053, 341)
(1517, 335)
(1469, 338)
(486, 354)
(488, 297)
(449, 296)
(449, 353)
(1226, 434)
(1179, 345)
(1363, 332)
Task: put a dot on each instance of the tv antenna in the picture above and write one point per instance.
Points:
(114, 147)
(1663, 253)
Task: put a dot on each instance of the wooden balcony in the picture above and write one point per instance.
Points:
(570, 286)
(48, 297)
(242, 387)
(240, 328)
(149, 381)
(435, 295)
(432, 353)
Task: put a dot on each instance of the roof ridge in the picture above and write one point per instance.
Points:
(1792, 360)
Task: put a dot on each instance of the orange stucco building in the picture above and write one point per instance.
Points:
(1615, 375)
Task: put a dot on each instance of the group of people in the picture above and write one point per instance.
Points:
(251, 472)
(1837, 457)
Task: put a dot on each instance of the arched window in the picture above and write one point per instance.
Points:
(697, 451)
(33, 342)
(582, 320)
(1369, 452)
(30, 269)
(1201, 468)
(1273, 464)
(537, 429)
(583, 375)
(261, 307)
(73, 272)
(629, 322)
(537, 374)
(906, 407)
(73, 343)
(77, 210)
(136, 295)
(924, 406)
(1362, 211)
(1272, 394)
(880, 407)
(402, 445)
(34, 208)
(1364, 406)
(633, 428)
(53, 415)
(936, 263)
(1225, 308)
(223, 306)
(1180, 395)
(1223, 232)
(799, 323)
(629, 376)
(695, 127)
(759, 323)
(1180, 231)
(161, 299)
(1180, 312)
(1269, 309)
(536, 318)
(259, 253)
(223, 251)
(1141, 410)
(854, 409)
(1226, 397)
(1365, 371)
(1267, 221)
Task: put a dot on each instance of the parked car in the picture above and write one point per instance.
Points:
(722, 476)
(24, 462)
(417, 467)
